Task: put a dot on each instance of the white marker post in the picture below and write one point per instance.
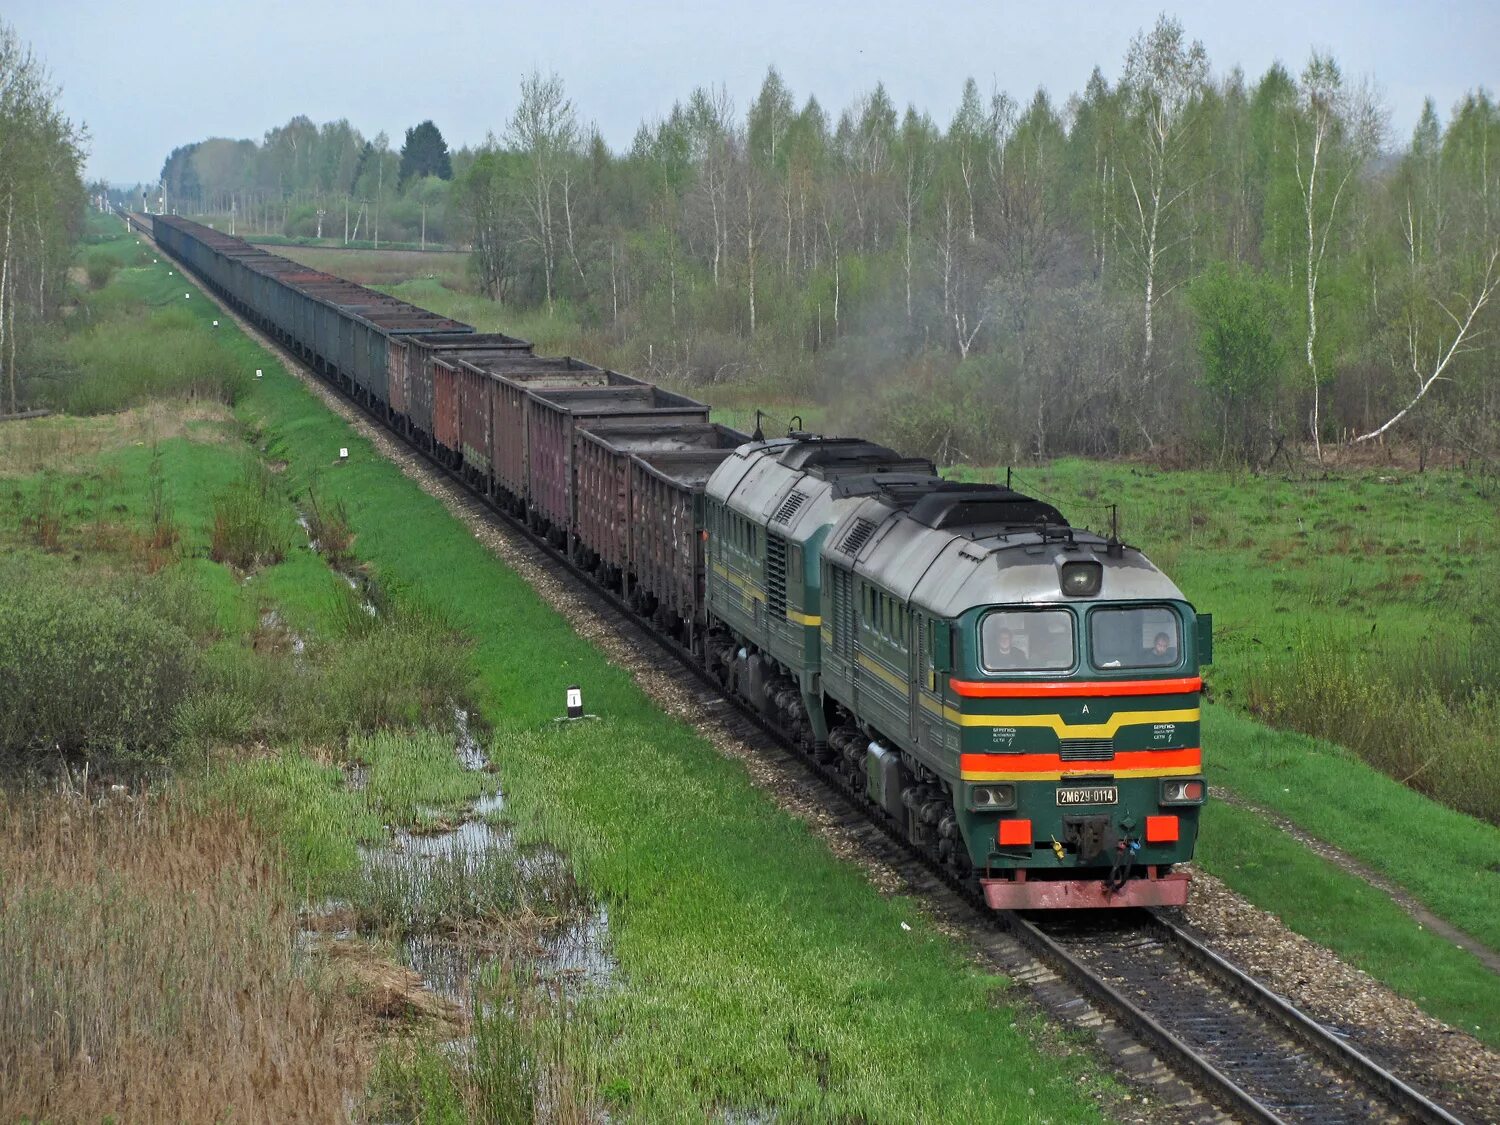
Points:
(575, 702)
(343, 454)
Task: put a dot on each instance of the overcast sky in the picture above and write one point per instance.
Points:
(148, 77)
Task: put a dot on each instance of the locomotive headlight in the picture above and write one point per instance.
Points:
(1081, 579)
(986, 797)
(1183, 791)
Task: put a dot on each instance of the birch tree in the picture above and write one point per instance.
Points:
(41, 197)
(1335, 131)
(544, 129)
(1164, 74)
(1450, 251)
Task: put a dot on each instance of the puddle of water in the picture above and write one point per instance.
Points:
(573, 952)
(271, 621)
(579, 951)
(471, 754)
(365, 603)
(471, 840)
(307, 530)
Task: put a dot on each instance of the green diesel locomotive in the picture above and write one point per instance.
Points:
(1020, 696)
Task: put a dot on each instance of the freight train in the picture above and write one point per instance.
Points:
(1018, 696)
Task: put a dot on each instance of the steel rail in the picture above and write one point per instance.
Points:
(1334, 1050)
(1190, 1063)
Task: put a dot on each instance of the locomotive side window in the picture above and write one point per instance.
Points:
(1027, 640)
(1144, 637)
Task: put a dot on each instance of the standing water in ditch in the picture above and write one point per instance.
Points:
(456, 892)
(450, 885)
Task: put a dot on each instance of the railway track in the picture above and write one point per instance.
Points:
(1247, 1051)
(1266, 1060)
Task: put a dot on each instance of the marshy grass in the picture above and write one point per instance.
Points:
(250, 527)
(148, 971)
(127, 360)
(329, 528)
(1424, 714)
(414, 777)
(528, 1058)
(461, 885)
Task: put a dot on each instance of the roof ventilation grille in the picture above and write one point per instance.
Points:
(790, 507)
(857, 537)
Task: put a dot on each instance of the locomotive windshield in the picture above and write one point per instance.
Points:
(1027, 640)
(1140, 637)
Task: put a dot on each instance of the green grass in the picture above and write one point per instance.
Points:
(414, 777)
(383, 266)
(1397, 553)
(1450, 862)
(317, 821)
(1344, 913)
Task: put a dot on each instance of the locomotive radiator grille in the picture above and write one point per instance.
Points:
(1087, 749)
(775, 576)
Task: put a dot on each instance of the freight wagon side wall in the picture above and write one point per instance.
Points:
(603, 516)
(395, 375)
(476, 390)
(445, 406)
(666, 548)
(508, 431)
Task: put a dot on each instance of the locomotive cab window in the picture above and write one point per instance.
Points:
(1139, 637)
(1027, 640)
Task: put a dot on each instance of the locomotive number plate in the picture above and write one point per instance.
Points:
(1089, 795)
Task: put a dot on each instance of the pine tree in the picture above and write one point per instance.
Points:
(425, 153)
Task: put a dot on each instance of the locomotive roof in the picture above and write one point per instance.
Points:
(959, 547)
(798, 484)
(943, 545)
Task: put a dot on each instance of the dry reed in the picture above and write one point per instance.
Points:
(149, 971)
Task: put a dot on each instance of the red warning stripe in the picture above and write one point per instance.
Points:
(1049, 689)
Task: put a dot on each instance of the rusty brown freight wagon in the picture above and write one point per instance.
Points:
(553, 418)
(417, 354)
(445, 410)
(602, 481)
(516, 377)
(666, 549)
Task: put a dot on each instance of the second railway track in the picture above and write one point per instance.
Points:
(1246, 1050)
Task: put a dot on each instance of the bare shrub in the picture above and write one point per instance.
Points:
(96, 677)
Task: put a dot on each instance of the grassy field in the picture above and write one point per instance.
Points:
(381, 267)
(755, 972)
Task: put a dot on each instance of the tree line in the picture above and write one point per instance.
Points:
(42, 202)
(315, 181)
(1175, 261)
